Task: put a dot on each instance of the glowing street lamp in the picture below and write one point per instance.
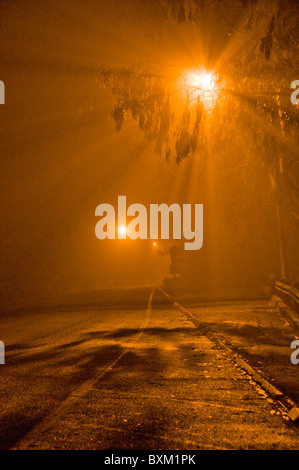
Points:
(202, 84)
(201, 81)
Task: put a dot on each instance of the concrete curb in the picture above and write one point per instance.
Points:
(291, 293)
(288, 404)
(282, 308)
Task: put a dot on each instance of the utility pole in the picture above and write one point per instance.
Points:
(278, 172)
(281, 240)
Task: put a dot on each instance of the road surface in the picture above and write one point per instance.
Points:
(259, 334)
(135, 378)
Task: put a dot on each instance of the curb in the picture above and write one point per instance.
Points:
(287, 403)
(286, 311)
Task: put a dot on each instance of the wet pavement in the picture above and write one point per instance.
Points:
(259, 334)
(136, 378)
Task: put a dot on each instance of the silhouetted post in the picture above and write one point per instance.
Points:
(278, 170)
(281, 241)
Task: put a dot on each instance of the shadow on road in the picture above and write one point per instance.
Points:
(66, 366)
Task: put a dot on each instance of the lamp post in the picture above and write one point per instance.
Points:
(274, 180)
(278, 171)
(203, 84)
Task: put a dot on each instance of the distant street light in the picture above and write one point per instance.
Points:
(122, 230)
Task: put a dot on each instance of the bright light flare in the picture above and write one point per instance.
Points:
(202, 84)
(202, 80)
(122, 230)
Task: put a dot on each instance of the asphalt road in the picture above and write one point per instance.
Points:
(135, 378)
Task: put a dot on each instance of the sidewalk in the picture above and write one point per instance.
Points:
(260, 333)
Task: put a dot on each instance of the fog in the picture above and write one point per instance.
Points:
(61, 158)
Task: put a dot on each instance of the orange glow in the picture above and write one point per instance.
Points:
(202, 84)
(122, 230)
(202, 81)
